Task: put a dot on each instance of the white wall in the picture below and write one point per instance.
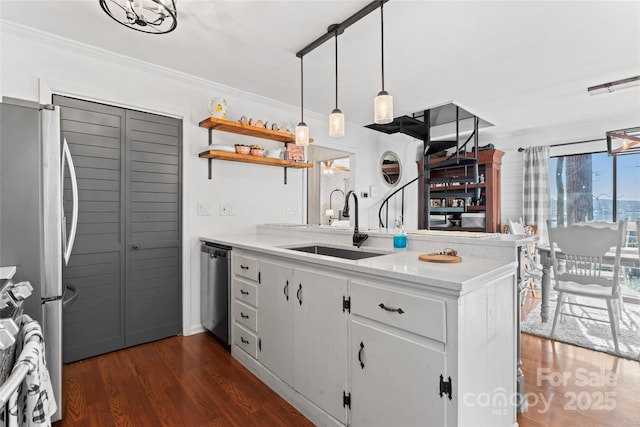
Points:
(35, 65)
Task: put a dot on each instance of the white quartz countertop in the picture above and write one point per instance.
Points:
(401, 265)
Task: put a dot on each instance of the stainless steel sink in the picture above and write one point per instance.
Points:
(337, 252)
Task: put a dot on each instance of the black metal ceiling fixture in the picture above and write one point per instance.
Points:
(302, 130)
(147, 16)
(336, 118)
(383, 102)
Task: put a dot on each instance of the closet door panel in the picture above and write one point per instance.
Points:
(153, 221)
(94, 323)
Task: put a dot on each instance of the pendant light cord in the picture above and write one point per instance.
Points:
(382, 41)
(301, 90)
(336, 37)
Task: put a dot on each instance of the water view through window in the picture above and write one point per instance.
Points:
(584, 187)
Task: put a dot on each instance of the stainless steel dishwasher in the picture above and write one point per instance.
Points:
(214, 289)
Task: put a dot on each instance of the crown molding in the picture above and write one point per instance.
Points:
(45, 38)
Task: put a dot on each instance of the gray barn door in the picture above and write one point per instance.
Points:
(126, 259)
(153, 227)
(94, 323)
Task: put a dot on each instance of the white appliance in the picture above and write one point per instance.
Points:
(34, 235)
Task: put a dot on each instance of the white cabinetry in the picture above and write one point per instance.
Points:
(395, 369)
(244, 306)
(303, 332)
(321, 340)
(353, 348)
(394, 379)
(275, 317)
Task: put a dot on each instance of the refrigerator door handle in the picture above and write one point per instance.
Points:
(68, 245)
(68, 301)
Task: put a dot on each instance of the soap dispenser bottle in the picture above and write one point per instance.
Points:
(399, 236)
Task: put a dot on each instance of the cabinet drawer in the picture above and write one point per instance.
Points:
(245, 340)
(245, 315)
(420, 315)
(245, 266)
(246, 292)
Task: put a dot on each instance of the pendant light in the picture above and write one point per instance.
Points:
(383, 103)
(336, 118)
(302, 130)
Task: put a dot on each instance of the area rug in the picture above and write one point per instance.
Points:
(588, 333)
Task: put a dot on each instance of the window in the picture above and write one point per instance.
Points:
(596, 187)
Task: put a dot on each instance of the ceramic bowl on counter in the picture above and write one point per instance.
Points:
(242, 149)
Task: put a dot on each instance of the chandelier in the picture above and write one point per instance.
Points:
(148, 16)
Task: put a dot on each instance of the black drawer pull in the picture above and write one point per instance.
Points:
(244, 267)
(244, 316)
(286, 290)
(360, 354)
(244, 341)
(298, 294)
(396, 310)
(243, 292)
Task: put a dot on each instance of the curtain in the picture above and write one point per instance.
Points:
(535, 189)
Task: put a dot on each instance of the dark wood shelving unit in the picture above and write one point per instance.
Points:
(489, 163)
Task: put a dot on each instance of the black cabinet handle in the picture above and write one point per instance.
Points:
(244, 341)
(244, 316)
(298, 294)
(243, 292)
(396, 310)
(360, 354)
(244, 267)
(286, 290)
(135, 246)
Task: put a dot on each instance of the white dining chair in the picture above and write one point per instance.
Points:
(516, 227)
(591, 269)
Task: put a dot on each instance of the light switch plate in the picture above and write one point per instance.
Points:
(204, 208)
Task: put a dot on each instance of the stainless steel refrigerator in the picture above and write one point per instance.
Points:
(34, 235)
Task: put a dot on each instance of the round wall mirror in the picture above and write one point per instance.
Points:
(390, 168)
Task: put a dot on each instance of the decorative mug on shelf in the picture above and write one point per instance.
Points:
(218, 108)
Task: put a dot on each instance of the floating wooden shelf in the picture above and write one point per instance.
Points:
(248, 130)
(248, 158)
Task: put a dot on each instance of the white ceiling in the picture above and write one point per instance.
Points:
(518, 64)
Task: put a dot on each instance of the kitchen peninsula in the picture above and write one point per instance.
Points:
(382, 340)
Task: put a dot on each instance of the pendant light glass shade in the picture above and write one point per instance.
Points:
(336, 123)
(383, 102)
(302, 134)
(383, 108)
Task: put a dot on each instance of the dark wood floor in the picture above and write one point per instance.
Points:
(181, 381)
(194, 381)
